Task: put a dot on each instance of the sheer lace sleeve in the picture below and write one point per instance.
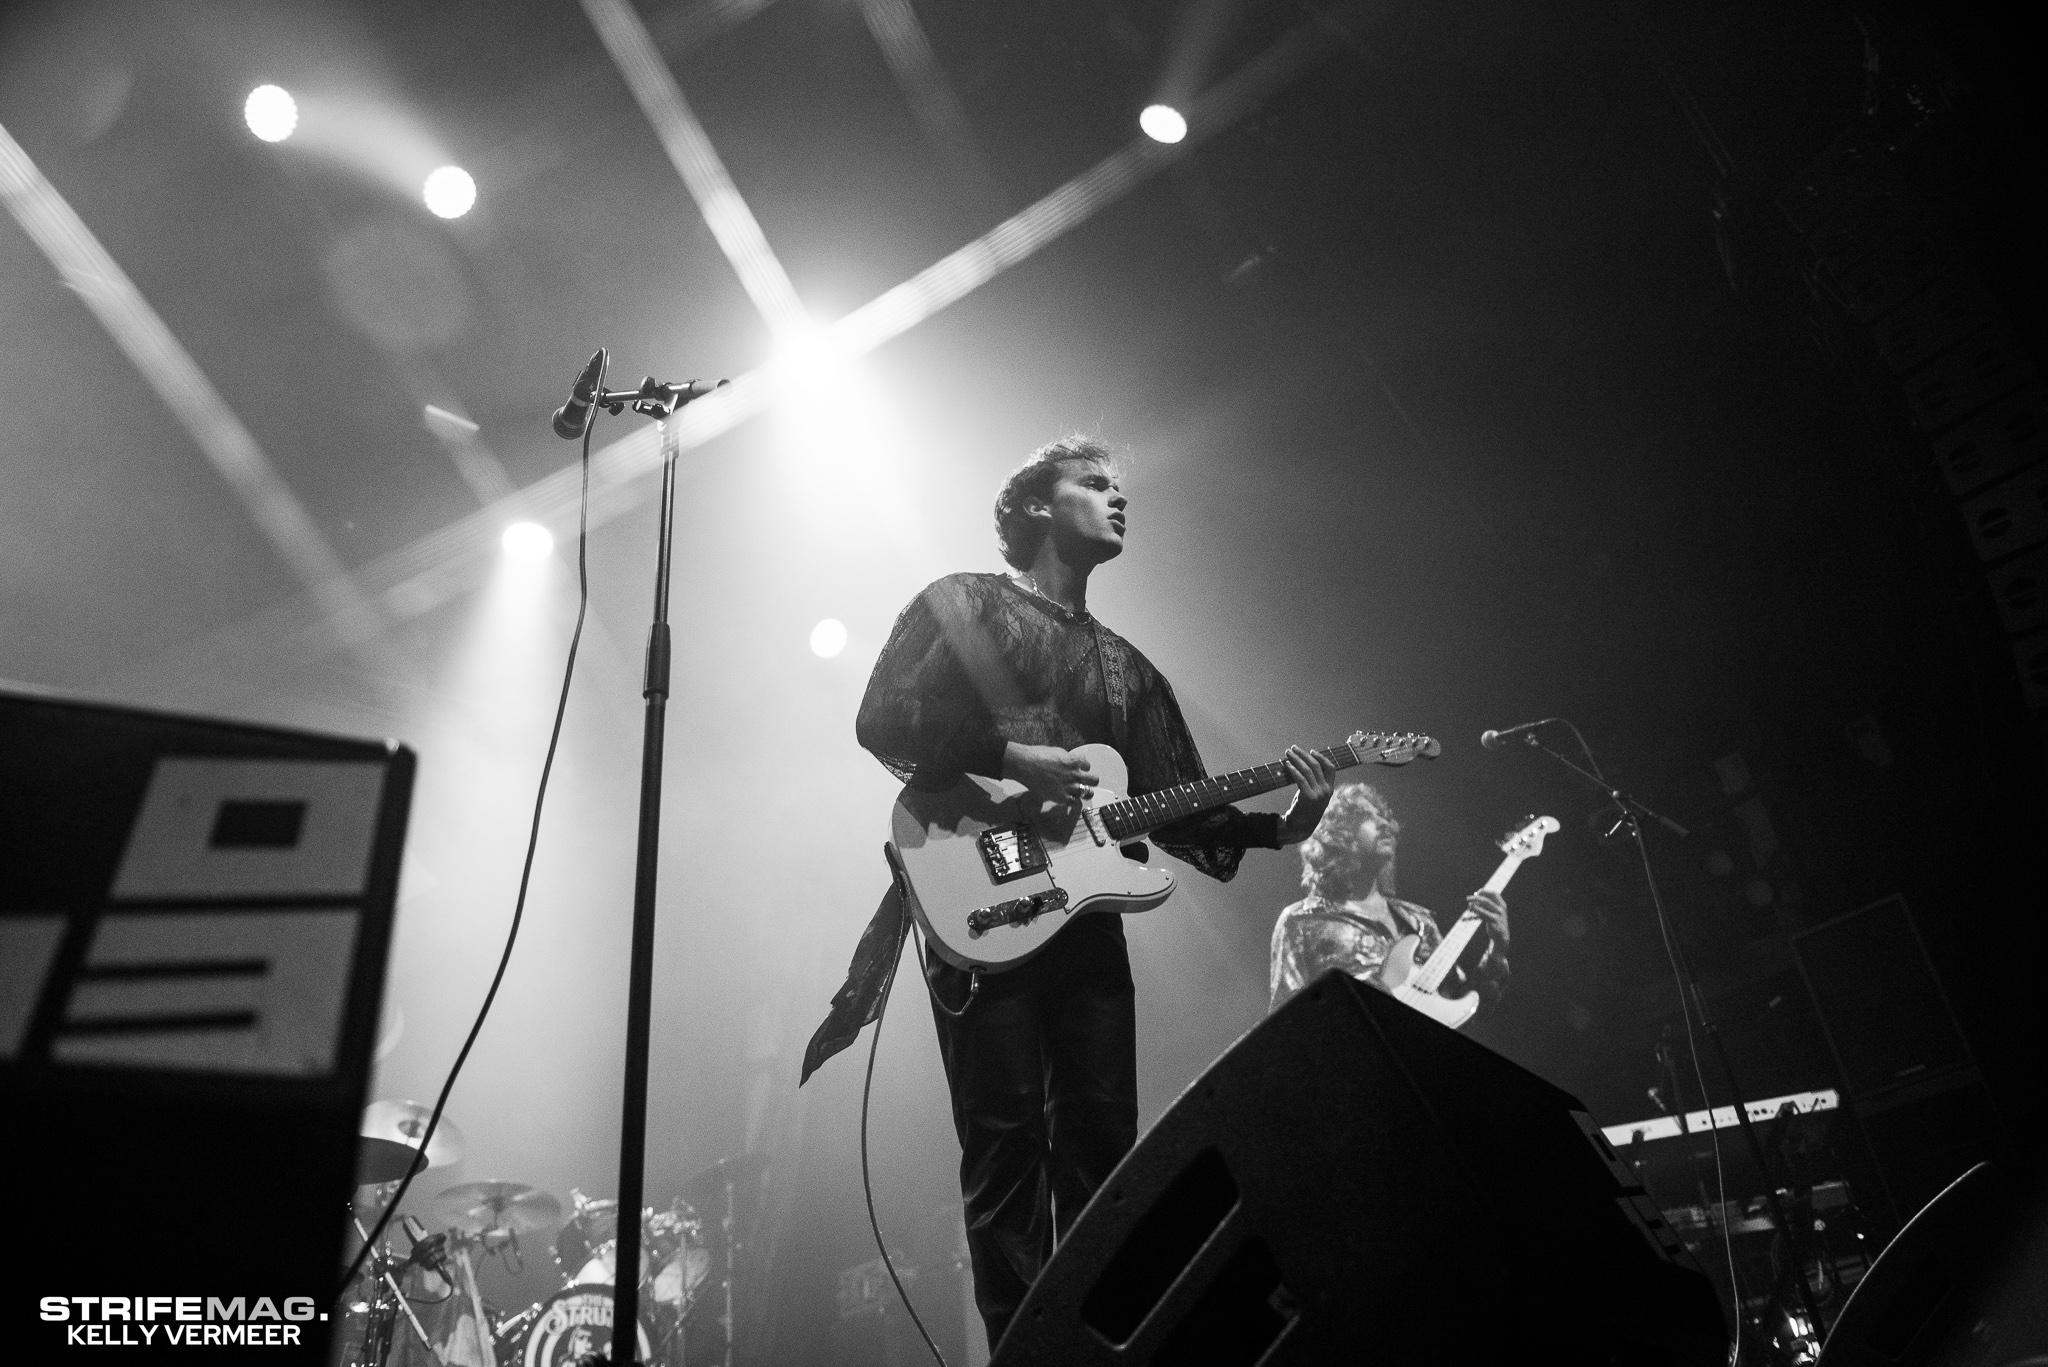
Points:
(926, 713)
(1162, 754)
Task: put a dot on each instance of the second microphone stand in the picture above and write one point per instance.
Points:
(1630, 818)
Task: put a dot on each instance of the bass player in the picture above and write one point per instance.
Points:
(1351, 918)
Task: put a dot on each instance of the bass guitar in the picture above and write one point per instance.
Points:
(995, 873)
(1417, 984)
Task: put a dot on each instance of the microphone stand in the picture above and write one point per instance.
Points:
(658, 401)
(1630, 817)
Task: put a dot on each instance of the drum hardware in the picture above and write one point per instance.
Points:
(498, 1213)
(383, 1310)
(674, 1261)
(721, 1183)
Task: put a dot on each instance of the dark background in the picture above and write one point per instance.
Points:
(1451, 401)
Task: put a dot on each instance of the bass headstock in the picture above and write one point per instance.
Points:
(1527, 840)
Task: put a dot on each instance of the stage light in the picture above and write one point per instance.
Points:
(828, 638)
(271, 113)
(528, 541)
(450, 192)
(1163, 123)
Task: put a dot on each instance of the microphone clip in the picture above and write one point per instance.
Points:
(655, 399)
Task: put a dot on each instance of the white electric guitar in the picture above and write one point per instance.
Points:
(995, 873)
(1417, 985)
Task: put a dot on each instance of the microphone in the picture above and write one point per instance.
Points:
(1493, 740)
(571, 417)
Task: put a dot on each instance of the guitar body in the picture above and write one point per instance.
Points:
(995, 875)
(1397, 975)
(1418, 985)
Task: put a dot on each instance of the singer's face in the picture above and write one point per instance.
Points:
(1087, 509)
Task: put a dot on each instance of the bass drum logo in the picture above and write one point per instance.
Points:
(573, 1322)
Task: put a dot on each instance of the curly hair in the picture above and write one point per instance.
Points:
(1016, 534)
(1331, 858)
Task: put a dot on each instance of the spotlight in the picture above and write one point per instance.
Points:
(528, 541)
(1163, 123)
(450, 192)
(828, 638)
(271, 113)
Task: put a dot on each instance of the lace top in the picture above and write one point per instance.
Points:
(977, 660)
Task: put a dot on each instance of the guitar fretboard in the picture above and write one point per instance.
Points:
(1132, 817)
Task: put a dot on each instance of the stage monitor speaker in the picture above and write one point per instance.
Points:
(1912, 1081)
(1352, 1181)
(194, 919)
(1887, 1018)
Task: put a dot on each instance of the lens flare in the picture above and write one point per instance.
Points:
(528, 541)
(828, 638)
(450, 192)
(271, 113)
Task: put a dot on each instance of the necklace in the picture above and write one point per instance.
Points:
(1025, 581)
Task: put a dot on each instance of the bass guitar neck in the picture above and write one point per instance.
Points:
(1418, 984)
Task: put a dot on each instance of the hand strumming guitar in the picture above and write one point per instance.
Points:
(1057, 776)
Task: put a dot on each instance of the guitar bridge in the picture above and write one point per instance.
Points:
(1010, 852)
(1018, 911)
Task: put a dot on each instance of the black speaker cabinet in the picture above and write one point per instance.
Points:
(1887, 1018)
(194, 918)
(1911, 1078)
(1353, 1182)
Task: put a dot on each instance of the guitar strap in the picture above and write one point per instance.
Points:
(1111, 661)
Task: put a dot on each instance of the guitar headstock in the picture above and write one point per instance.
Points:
(1390, 747)
(1527, 841)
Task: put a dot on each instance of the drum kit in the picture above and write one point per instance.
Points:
(422, 1306)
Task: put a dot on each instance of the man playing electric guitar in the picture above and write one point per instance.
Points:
(1004, 676)
(1351, 918)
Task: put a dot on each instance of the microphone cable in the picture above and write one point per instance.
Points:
(1692, 1049)
(525, 873)
(867, 1186)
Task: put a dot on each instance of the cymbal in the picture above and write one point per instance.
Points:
(380, 1160)
(737, 1170)
(403, 1122)
(478, 1206)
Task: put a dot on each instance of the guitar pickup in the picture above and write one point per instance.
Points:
(1018, 911)
(1009, 852)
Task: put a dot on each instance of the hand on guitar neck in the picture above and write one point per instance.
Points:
(1418, 985)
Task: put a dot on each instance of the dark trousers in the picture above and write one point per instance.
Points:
(1043, 1070)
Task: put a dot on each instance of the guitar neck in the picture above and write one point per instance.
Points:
(1445, 956)
(1134, 816)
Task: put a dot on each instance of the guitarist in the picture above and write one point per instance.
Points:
(1351, 918)
(1002, 676)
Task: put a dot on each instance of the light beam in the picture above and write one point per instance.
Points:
(452, 560)
(88, 270)
(697, 161)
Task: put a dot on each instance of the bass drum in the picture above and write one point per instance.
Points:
(574, 1321)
